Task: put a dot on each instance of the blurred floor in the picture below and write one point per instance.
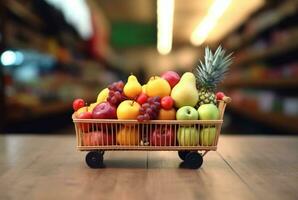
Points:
(245, 167)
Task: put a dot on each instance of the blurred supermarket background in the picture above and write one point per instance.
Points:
(54, 51)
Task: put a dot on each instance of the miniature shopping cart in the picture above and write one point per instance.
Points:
(185, 136)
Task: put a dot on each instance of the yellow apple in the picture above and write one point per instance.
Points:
(128, 109)
(157, 86)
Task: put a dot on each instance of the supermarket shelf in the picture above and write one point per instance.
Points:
(42, 111)
(39, 111)
(24, 13)
(51, 108)
(273, 119)
(282, 12)
(268, 53)
(262, 83)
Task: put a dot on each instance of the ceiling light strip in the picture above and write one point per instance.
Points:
(165, 18)
(201, 32)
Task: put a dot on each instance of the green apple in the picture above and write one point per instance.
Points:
(207, 136)
(187, 113)
(188, 136)
(208, 112)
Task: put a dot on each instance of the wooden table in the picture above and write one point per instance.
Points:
(245, 167)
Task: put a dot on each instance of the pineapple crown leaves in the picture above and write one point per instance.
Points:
(213, 71)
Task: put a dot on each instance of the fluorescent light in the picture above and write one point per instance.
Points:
(201, 32)
(27, 72)
(165, 18)
(19, 58)
(8, 58)
(76, 13)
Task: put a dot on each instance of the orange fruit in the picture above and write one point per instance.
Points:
(167, 114)
(128, 136)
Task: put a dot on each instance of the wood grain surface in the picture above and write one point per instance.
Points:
(245, 167)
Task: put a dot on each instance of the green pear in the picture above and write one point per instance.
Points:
(185, 92)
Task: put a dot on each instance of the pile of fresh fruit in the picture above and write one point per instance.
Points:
(167, 97)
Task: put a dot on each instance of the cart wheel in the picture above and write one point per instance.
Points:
(193, 160)
(182, 154)
(94, 159)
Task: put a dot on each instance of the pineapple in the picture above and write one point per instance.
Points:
(211, 73)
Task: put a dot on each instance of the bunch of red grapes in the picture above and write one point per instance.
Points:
(116, 95)
(149, 110)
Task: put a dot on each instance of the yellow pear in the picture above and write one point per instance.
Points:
(103, 95)
(132, 88)
(185, 92)
(144, 88)
(157, 86)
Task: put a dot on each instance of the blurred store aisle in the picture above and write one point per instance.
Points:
(52, 52)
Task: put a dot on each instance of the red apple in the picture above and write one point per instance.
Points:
(104, 110)
(84, 115)
(220, 95)
(167, 102)
(98, 138)
(77, 104)
(142, 98)
(172, 77)
(163, 137)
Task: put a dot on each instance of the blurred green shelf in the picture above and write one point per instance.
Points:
(132, 34)
(289, 123)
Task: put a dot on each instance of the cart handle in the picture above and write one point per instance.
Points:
(227, 99)
(222, 105)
